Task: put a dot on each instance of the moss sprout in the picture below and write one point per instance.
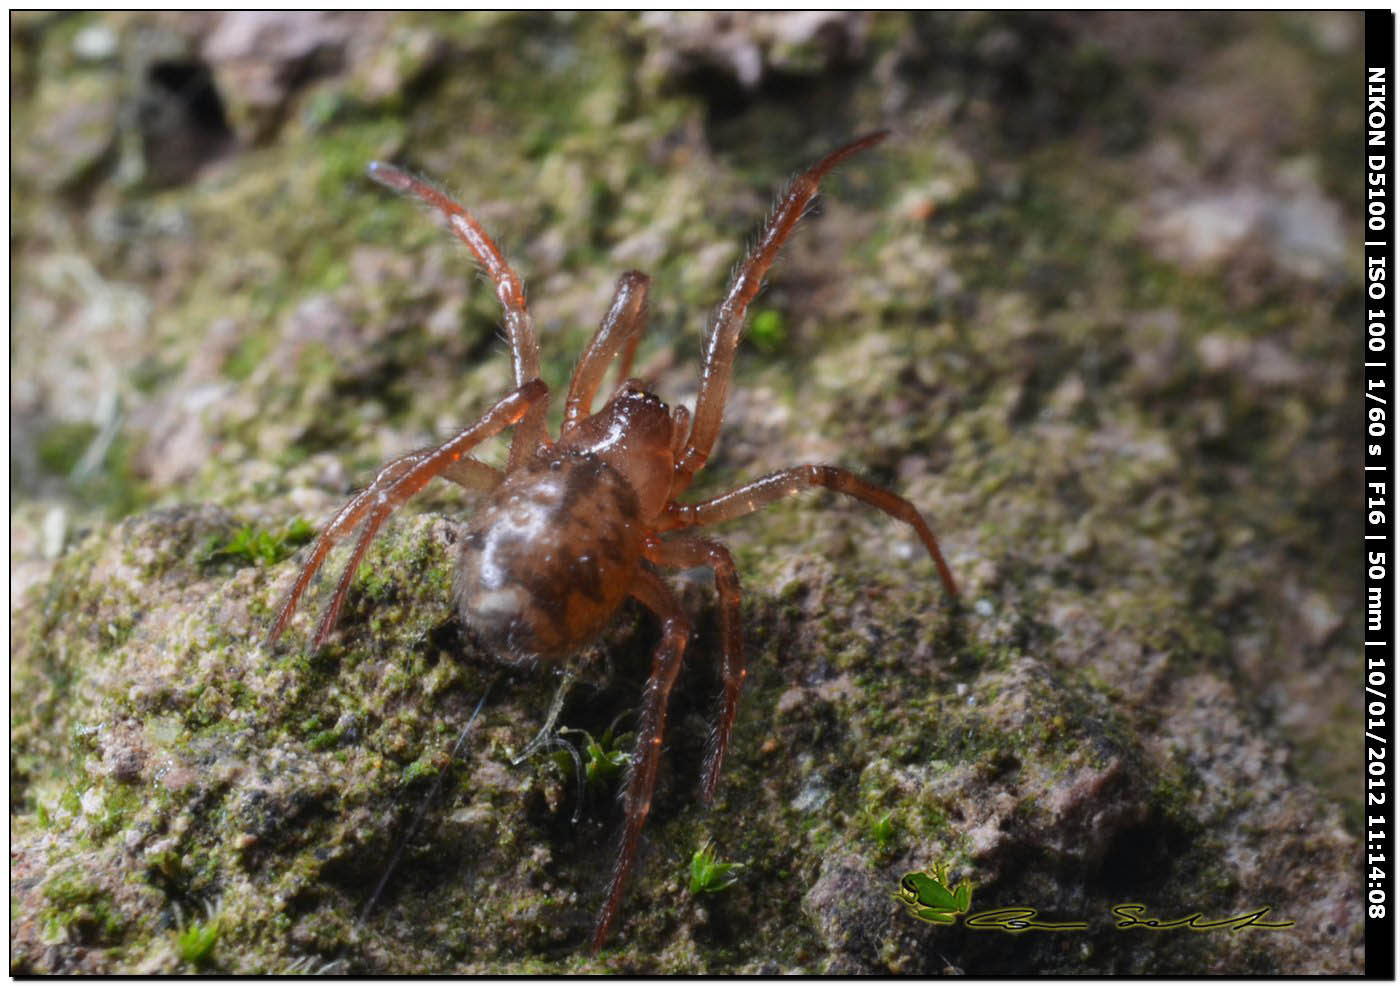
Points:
(250, 546)
(708, 875)
(195, 941)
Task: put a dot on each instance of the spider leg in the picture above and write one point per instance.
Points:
(371, 528)
(761, 492)
(693, 552)
(629, 351)
(520, 328)
(396, 482)
(467, 472)
(473, 474)
(345, 521)
(728, 324)
(619, 332)
(641, 773)
(551, 719)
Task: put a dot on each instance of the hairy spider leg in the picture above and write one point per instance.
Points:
(551, 719)
(396, 482)
(723, 339)
(696, 552)
(652, 592)
(520, 327)
(473, 474)
(371, 527)
(761, 492)
(551, 739)
(466, 472)
(619, 332)
(629, 352)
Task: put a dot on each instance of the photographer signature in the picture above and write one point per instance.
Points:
(1018, 919)
(929, 896)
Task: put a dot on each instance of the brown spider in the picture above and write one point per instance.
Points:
(573, 527)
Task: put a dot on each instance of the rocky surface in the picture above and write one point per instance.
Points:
(1089, 307)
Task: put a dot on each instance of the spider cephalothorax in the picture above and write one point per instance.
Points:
(574, 526)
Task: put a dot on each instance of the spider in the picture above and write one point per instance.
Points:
(574, 526)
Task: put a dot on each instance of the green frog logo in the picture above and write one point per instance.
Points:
(926, 895)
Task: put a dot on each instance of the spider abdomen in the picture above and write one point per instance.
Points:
(551, 556)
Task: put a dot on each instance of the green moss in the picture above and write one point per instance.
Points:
(110, 483)
(421, 769)
(71, 800)
(882, 830)
(250, 546)
(63, 444)
(603, 758)
(196, 941)
(710, 876)
(767, 329)
(119, 804)
(252, 349)
(80, 909)
(325, 739)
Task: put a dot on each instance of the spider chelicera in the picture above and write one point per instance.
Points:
(574, 526)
